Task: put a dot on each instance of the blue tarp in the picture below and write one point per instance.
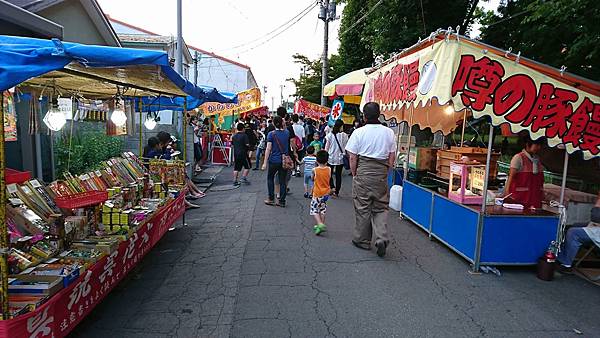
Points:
(176, 103)
(25, 58)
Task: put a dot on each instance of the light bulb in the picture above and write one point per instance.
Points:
(449, 110)
(54, 119)
(150, 123)
(118, 117)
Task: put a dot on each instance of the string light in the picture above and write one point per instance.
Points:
(54, 119)
(118, 117)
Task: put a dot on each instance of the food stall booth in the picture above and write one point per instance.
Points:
(67, 244)
(448, 77)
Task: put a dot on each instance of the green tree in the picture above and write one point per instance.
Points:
(308, 84)
(382, 27)
(557, 33)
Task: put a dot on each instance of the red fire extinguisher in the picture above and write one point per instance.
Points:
(546, 264)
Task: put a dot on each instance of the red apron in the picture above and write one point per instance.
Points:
(526, 187)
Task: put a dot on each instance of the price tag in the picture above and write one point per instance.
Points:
(11, 188)
(34, 183)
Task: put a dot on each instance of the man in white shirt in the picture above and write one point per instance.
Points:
(372, 152)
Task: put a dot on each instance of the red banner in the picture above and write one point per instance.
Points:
(309, 109)
(65, 310)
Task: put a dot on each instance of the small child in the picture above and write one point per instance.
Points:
(320, 192)
(309, 164)
(316, 143)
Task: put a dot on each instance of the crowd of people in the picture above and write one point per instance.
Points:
(288, 146)
(293, 146)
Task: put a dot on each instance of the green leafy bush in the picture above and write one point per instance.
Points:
(88, 148)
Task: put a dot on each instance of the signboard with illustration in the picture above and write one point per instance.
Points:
(463, 74)
(337, 108)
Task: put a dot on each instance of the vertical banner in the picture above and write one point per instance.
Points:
(336, 111)
(10, 117)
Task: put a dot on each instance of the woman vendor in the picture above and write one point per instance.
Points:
(526, 178)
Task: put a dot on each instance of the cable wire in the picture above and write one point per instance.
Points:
(281, 32)
(361, 18)
(308, 8)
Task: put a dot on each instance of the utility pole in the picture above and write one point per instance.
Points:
(179, 57)
(281, 87)
(326, 13)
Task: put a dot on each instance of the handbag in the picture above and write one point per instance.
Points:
(345, 159)
(286, 160)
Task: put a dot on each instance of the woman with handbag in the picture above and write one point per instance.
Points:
(279, 162)
(335, 144)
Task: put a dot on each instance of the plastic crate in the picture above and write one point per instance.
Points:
(15, 176)
(81, 200)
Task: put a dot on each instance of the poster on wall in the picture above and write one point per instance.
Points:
(10, 117)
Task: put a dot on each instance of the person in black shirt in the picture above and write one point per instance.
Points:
(250, 130)
(241, 147)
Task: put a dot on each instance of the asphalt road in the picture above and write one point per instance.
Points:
(240, 268)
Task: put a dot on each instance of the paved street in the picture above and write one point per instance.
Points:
(243, 269)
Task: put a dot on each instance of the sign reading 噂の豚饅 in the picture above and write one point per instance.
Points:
(467, 75)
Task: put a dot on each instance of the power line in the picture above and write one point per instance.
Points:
(308, 8)
(281, 32)
(361, 18)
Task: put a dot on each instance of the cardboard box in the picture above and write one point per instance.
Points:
(422, 158)
(34, 285)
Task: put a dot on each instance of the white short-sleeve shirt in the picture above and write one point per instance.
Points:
(372, 140)
(336, 155)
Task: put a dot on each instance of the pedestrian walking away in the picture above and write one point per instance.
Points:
(309, 162)
(241, 148)
(335, 145)
(320, 194)
(277, 161)
(372, 153)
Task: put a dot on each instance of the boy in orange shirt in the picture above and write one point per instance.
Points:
(320, 194)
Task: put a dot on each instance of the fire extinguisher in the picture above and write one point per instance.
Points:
(546, 264)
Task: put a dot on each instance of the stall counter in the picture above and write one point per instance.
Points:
(508, 237)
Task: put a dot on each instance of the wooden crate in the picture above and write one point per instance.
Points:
(445, 157)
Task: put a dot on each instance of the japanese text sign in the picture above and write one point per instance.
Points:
(309, 109)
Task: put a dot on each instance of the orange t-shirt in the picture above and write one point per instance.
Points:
(321, 187)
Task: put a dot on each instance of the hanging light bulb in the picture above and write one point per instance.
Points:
(118, 116)
(54, 118)
(150, 122)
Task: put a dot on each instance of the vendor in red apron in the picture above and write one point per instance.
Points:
(526, 178)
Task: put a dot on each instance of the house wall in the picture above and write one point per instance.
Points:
(78, 26)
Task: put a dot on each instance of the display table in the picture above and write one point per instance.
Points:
(59, 315)
(509, 237)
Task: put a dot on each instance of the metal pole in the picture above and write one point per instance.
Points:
(406, 160)
(488, 161)
(195, 68)
(3, 226)
(140, 107)
(563, 186)
(179, 57)
(324, 57)
(185, 148)
(464, 125)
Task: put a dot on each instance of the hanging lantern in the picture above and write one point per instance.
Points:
(118, 116)
(54, 118)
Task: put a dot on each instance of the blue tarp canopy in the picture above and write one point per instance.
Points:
(95, 71)
(176, 103)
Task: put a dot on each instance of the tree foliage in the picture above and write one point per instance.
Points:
(394, 25)
(558, 32)
(308, 84)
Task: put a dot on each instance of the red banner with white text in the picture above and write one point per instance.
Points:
(311, 110)
(65, 310)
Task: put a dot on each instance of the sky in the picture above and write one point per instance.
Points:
(219, 25)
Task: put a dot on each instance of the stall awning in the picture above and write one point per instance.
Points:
(347, 84)
(450, 71)
(93, 71)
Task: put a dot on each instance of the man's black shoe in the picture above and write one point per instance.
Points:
(361, 246)
(380, 245)
(563, 270)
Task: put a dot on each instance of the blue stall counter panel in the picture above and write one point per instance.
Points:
(518, 240)
(416, 204)
(456, 226)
